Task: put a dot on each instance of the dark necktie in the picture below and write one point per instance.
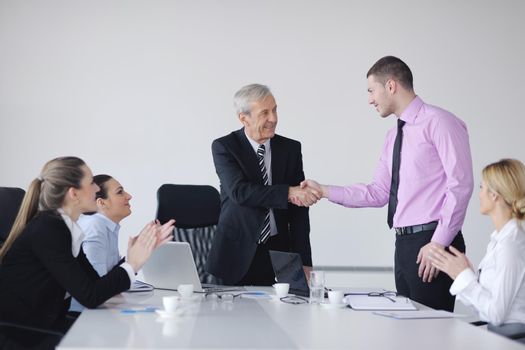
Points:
(394, 185)
(265, 232)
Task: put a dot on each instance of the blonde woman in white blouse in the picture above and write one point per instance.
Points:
(496, 289)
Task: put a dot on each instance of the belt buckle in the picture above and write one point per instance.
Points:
(401, 231)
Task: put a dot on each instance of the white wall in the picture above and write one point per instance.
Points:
(139, 89)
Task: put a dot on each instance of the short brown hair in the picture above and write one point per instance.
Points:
(390, 67)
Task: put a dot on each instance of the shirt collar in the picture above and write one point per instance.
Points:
(506, 230)
(410, 113)
(255, 145)
(77, 236)
(110, 224)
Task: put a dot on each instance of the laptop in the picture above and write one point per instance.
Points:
(170, 265)
(288, 268)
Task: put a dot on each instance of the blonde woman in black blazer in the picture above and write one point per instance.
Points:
(42, 262)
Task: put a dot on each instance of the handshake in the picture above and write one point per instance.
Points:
(307, 193)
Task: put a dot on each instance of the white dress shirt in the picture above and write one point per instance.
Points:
(100, 230)
(499, 292)
(268, 166)
(77, 236)
(100, 242)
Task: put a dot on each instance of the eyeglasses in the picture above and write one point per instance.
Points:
(231, 296)
(390, 295)
(294, 300)
(222, 296)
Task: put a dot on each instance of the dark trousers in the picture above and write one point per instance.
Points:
(434, 294)
(261, 272)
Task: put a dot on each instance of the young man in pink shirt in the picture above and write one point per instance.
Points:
(424, 175)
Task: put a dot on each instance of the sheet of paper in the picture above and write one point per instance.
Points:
(365, 302)
(418, 314)
(139, 286)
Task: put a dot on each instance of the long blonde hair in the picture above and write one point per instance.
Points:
(47, 192)
(507, 178)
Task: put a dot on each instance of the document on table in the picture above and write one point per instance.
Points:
(419, 314)
(371, 303)
(139, 286)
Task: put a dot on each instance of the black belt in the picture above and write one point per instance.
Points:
(416, 228)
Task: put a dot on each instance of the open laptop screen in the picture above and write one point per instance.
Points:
(288, 268)
(170, 265)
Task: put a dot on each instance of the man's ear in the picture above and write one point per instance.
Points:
(243, 117)
(391, 86)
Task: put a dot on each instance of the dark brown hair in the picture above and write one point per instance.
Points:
(390, 67)
(101, 181)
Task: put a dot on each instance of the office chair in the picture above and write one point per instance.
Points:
(514, 331)
(10, 201)
(196, 210)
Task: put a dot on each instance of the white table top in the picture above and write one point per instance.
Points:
(265, 324)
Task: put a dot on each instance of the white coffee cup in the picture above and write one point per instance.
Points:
(170, 303)
(185, 290)
(335, 296)
(281, 289)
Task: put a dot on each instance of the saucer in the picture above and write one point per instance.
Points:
(333, 306)
(164, 313)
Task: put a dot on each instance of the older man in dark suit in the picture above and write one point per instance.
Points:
(260, 173)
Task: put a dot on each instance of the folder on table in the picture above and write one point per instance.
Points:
(366, 302)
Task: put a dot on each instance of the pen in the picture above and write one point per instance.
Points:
(136, 311)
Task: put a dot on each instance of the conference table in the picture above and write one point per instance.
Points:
(129, 321)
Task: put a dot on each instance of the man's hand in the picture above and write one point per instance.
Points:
(426, 271)
(315, 186)
(304, 197)
(451, 264)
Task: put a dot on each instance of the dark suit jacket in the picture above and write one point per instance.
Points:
(245, 200)
(38, 270)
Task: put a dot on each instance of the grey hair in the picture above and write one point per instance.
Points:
(243, 98)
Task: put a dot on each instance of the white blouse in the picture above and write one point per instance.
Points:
(77, 236)
(497, 292)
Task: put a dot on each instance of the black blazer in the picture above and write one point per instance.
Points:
(245, 199)
(39, 268)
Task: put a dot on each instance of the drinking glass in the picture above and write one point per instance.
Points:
(316, 284)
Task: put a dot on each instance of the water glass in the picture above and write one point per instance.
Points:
(316, 284)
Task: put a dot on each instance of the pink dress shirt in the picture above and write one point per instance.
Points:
(435, 175)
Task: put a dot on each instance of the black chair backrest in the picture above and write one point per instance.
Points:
(191, 206)
(10, 201)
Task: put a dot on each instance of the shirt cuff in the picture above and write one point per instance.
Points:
(462, 281)
(442, 237)
(130, 272)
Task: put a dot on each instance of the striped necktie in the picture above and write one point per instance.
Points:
(265, 232)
